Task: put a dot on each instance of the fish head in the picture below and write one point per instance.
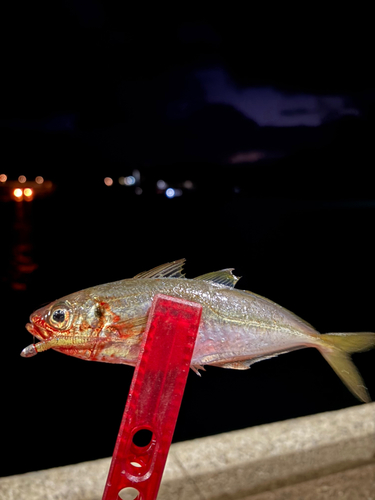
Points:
(77, 314)
(52, 320)
(83, 326)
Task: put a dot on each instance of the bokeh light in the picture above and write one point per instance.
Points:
(18, 194)
(173, 193)
(129, 180)
(22, 179)
(39, 179)
(28, 193)
(3, 178)
(108, 181)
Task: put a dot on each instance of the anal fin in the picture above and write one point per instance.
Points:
(196, 369)
(238, 365)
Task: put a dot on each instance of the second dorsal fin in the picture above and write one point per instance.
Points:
(169, 270)
(223, 277)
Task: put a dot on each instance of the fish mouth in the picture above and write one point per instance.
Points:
(36, 331)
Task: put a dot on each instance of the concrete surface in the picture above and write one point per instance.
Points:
(325, 456)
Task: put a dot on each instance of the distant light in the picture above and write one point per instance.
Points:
(3, 178)
(121, 180)
(247, 157)
(129, 180)
(21, 179)
(188, 185)
(137, 175)
(172, 193)
(39, 179)
(18, 193)
(161, 184)
(138, 190)
(29, 194)
(108, 181)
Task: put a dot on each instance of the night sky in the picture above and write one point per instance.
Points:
(260, 124)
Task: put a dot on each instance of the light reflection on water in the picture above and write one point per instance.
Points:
(17, 251)
(22, 262)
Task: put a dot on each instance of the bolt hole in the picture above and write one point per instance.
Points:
(142, 437)
(128, 494)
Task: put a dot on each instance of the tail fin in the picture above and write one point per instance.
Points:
(336, 349)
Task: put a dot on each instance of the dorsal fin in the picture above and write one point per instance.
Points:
(169, 270)
(223, 277)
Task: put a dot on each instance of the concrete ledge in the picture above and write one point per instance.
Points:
(321, 456)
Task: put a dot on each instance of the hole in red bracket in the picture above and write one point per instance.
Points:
(142, 438)
(128, 494)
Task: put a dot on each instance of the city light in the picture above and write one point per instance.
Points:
(39, 179)
(18, 194)
(173, 193)
(161, 184)
(129, 180)
(28, 194)
(3, 178)
(108, 181)
(22, 179)
(188, 185)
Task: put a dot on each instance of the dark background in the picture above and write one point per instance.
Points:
(91, 89)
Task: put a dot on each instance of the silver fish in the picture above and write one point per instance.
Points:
(238, 328)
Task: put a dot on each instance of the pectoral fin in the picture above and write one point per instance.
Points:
(131, 326)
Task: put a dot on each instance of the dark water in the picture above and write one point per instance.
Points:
(313, 255)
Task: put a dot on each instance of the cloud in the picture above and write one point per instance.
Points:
(294, 112)
(268, 106)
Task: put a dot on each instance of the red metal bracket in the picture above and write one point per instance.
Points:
(154, 399)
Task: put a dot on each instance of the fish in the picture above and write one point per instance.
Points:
(238, 328)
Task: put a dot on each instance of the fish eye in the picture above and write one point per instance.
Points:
(59, 317)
